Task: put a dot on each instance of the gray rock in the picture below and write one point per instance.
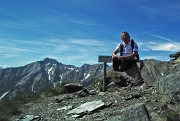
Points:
(73, 87)
(137, 112)
(115, 118)
(155, 116)
(65, 108)
(169, 86)
(30, 118)
(175, 56)
(154, 70)
(83, 93)
(112, 84)
(87, 107)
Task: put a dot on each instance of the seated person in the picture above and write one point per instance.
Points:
(128, 51)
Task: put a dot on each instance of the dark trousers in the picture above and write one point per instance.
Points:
(123, 65)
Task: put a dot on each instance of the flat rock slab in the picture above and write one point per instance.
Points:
(87, 107)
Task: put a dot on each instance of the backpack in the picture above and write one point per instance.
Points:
(132, 45)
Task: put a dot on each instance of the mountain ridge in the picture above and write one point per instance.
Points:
(42, 75)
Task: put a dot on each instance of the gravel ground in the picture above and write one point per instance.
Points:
(48, 109)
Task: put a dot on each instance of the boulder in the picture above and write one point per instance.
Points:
(175, 56)
(73, 87)
(169, 87)
(154, 70)
(137, 112)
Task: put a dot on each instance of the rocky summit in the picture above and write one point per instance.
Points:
(149, 91)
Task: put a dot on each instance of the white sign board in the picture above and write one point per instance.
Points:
(105, 58)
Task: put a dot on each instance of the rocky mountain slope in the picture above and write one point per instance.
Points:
(42, 75)
(1, 68)
(149, 91)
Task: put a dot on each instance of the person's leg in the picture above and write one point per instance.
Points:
(116, 64)
(126, 64)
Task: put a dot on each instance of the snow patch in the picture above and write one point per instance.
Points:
(32, 89)
(86, 76)
(50, 71)
(71, 68)
(4, 94)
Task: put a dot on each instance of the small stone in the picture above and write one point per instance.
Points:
(155, 108)
(101, 93)
(155, 100)
(65, 108)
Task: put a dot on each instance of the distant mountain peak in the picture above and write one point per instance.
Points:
(49, 59)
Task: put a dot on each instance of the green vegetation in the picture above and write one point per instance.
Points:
(11, 107)
(171, 115)
(59, 89)
(113, 74)
(112, 89)
(97, 84)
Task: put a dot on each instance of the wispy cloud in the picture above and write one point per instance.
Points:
(72, 51)
(87, 42)
(160, 37)
(168, 11)
(83, 22)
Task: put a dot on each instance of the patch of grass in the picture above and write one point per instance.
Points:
(97, 84)
(59, 89)
(11, 107)
(113, 74)
(171, 115)
(112, 89)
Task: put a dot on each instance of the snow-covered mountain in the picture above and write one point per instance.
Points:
(42, 75)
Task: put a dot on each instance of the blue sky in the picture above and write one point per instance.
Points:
(78, 31)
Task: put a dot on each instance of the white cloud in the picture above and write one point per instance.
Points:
(165, 47)
(3, 66)
(160, 46)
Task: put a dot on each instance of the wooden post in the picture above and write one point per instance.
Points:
(105, 59)
(104, 80)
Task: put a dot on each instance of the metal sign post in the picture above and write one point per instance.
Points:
(104, 59)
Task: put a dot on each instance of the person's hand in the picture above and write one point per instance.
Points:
(121, 57)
